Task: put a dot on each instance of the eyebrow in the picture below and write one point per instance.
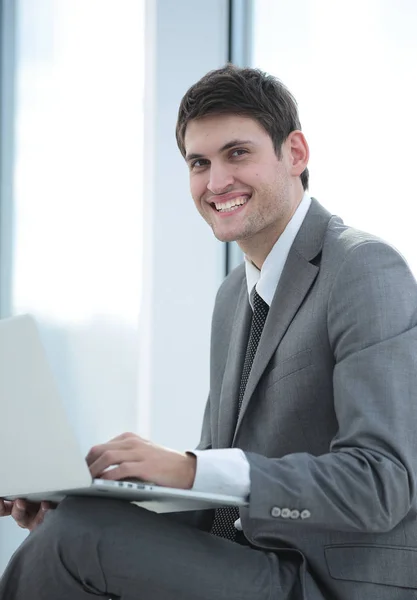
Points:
(227, 146)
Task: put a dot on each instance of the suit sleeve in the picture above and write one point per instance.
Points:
(366, 482)
(205, 438)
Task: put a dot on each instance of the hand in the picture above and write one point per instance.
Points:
(26, 514)
(136, 458)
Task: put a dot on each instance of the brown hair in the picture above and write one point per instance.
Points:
(242, 91)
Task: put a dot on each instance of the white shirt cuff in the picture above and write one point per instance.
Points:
(223, 471)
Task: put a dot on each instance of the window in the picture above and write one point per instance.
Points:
(78, 163)
(77, 202)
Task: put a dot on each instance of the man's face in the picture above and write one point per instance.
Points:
(238, 184)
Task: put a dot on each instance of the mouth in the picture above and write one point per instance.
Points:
(230, 206)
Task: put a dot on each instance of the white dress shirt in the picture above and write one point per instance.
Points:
(226, 471)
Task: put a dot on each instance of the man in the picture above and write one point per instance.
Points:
(311, 411)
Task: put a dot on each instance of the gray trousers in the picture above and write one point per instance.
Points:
(111, 549)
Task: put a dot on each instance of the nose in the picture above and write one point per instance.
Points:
(221, 178)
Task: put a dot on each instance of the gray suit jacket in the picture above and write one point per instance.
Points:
(329, 417)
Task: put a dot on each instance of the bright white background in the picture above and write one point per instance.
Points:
(78, 196)
(352, 68)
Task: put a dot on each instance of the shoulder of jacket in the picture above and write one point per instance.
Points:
(233, 282)
(347, 238)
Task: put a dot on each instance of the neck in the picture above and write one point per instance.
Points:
(257, 247)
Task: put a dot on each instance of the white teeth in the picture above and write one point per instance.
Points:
(231, 204)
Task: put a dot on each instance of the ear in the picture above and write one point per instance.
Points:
(298, 152)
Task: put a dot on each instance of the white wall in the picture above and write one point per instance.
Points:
(122, 279)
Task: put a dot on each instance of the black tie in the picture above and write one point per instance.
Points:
(223, 524)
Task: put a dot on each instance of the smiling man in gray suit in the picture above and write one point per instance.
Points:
(312, 409)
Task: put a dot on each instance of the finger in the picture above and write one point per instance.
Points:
(126, 470)
(48, 505)
(23, 513)
(39, 517)
(5, 508)
(95, 452)
(100, 449)
(110, 458)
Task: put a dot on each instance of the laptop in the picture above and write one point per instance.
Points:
(40, 455)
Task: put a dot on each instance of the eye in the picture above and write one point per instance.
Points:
(198, 163)
(239, 152)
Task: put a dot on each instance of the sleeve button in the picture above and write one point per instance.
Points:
(306, 514)
(285, 513)
(275, 511)
(295, 514)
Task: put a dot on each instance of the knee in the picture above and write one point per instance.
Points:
(68, 528)
(63, 550)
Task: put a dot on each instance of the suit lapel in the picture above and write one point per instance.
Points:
(296, 280)
(234, 365)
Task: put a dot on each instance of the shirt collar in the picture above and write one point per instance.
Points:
(266, 279)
